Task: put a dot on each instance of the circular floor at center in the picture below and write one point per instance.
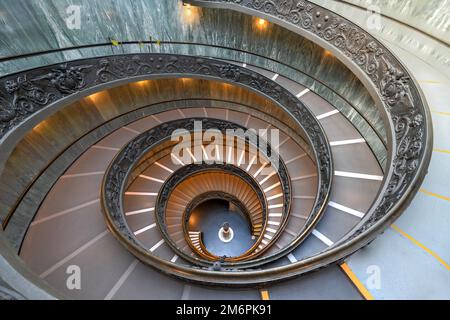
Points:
(210, 216)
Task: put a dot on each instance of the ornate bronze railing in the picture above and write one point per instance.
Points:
(379, 144)
(150, 46)
(396, 94)
(117, 178)
(29, 96)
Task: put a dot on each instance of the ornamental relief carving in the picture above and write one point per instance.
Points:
(28, 92)
(354, 42)
(116, 177)
(23, 94)
(21, 98)
(395, 88)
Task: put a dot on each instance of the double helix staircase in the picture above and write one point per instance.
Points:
(120, 212)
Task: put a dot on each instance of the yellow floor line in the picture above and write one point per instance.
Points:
(417, 243)
(358, 284)
(429, 81)
(442, 150)
(264, 295)
(441, 113)
(434, 194)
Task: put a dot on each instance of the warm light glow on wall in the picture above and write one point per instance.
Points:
(142, 83)
(327, 53)
(226, 85)
(95, 97)
(261, 23)
(189, 14)
(40, 126)
(186, 80)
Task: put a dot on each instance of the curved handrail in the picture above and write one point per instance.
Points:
(113, 182)
(171, 43)
(188, 170)
(36, 177)
(394, 90)
(406, 115)
(30, 92)
(118, 173)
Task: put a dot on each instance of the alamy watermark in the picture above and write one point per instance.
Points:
(73, 19)
(373, 22)
(73, 281)
(373, 281)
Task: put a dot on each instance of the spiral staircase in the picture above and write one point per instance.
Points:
(194, 170)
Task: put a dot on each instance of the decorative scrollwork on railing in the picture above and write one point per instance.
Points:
(120, 169)
(411, 143)
(24, 94)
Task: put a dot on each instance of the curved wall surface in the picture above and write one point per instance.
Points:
(430, 16)
(38, 26)
(414, 28)
(417, 241)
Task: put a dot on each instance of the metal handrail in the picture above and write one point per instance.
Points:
(409, 148)
(113, 212)
(114, 180)
(395, 92)
(162, 42)
(30, 185)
